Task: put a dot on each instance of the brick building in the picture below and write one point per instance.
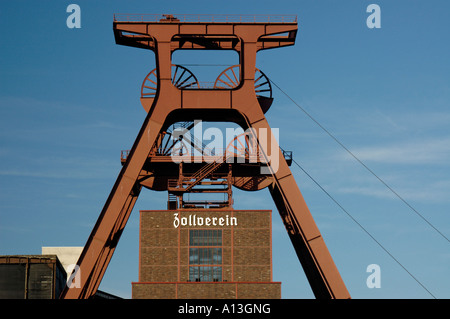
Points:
(205, 253)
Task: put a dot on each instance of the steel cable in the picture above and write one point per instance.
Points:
(362, 163)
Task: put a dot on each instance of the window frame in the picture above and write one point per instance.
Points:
(208, 245)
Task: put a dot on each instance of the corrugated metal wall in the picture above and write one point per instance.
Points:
(23, 277)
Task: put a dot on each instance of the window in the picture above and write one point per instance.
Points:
(205, 255)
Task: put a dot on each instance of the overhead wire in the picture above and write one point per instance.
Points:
(350, 153)
(368, 169)
(342, 208)
(362, 163)
(362, 227)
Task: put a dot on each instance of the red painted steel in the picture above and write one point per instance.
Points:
(144, 167)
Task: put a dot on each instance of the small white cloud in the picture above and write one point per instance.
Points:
(432, 151)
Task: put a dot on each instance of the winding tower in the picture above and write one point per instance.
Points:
(166, 156)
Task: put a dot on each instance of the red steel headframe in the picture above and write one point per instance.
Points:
(164, 34)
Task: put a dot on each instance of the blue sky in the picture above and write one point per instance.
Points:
(69, 102)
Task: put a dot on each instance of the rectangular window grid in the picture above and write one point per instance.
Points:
(205, 255)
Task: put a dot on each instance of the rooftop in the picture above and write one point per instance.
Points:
(204, 18)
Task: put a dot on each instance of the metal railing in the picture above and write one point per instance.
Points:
(212, 18)
(124, 155)
(216, 155)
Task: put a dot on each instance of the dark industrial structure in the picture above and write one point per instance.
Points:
(31, 277)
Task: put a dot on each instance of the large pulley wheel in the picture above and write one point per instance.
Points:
(230, 79)
(245, 146)
(182, 78)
